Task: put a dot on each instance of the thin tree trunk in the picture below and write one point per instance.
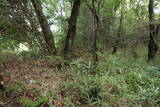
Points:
(96, 24)
(152, 46)
(95, 34)
(115, 46)
(45, 27)
(72, 26)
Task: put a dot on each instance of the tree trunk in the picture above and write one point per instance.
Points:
(72, 26)
(115, 46)
(95, 34)
(96, 24)
(152, 46)
(28, 13)
(45, 27)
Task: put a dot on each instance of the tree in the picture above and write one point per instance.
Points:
(13, 22)
(72, 26)
(115, 46)
(152, 45)
(27, 11)
(45, 27)
(95, 8)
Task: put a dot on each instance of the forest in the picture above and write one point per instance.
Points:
(79, 53)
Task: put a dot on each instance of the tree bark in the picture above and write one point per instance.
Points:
(45, 27)
(152, 46)
(115, 46)
(72, 26)
(96, 24)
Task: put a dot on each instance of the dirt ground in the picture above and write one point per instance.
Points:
(30, 79)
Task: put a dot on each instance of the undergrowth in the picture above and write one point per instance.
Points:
(117, 81)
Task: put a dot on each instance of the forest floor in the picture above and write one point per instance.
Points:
(30, 79)
(46, 82)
